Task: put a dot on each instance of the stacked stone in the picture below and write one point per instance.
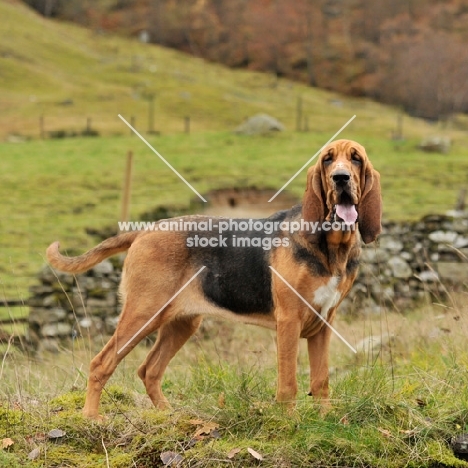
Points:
(411, 262)
(67, 306)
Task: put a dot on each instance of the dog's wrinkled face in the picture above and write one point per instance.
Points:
(342, 186)
(342, 171)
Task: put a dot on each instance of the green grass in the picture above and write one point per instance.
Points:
(54, 190)
(397, 408)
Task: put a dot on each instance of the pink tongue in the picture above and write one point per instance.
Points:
(347, 213)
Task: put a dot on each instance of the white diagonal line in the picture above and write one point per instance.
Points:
(161, 309)
(311, 159)
(161, 157)
(313, 310)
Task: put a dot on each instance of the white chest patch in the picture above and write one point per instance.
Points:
(327, 296)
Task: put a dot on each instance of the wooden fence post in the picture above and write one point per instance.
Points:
(151, 114)
(127, 188)
(41, 126)
(299, 114)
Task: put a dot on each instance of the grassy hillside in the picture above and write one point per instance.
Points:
(395, 406)
(68, 73)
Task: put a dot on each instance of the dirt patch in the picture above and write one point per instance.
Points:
(249, 202)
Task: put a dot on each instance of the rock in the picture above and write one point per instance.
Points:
(111, 299)
(259, 124)
(102, 269)
(97, 293)
(35, 301)
(453, 272)
(400, 268)
(97, 306)
(46, 275)
(85, 323)
(84, 283)
(460, 444)
(373, 343)
(78, 298)
(91, 324)
(383, 293)
(49, 344)
(357, 289)
(43, 316)
(374, 255)
(460, 225)
(369, 307)
(346, 306)
(393, 245)
(56, 329)
(435, 144)
(50, 301)
(402, 289)
(368, 270)
(428, 276)
(110, 324)
(445, 237)
(40, 290)
(460, 242)
(406, 256)
(16, 138)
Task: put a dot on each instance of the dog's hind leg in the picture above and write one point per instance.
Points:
(133, 318)
(171, 337)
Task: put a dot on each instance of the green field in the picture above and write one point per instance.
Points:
(55, 189)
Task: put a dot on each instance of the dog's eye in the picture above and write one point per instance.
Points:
(328, 158)
(355, 158)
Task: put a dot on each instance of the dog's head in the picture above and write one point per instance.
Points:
(343, 186)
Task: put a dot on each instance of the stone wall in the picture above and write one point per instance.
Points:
(411, 262)
(66, 306)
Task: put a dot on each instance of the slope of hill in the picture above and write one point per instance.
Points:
(66, 74)
(410, 53)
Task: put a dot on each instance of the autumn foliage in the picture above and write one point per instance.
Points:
(405, 52)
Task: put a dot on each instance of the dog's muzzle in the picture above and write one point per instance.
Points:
(345, 208)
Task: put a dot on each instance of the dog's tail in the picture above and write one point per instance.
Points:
(84, 262)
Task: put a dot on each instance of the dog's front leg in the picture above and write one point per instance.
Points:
(318, 346)
(287, 336)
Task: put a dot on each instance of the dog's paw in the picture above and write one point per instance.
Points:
(95, 417)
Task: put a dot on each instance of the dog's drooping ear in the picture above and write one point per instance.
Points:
(313, 202)
(370, 206)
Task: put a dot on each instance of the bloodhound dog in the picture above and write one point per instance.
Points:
(274, 274)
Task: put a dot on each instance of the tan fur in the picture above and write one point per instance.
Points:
(109, 247)
(158, 264)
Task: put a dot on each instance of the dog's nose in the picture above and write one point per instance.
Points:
(341, 177)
